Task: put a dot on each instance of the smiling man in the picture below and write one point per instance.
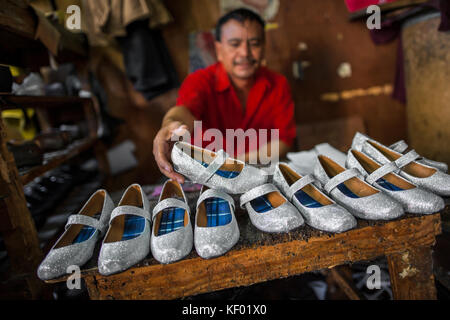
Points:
(236, 93)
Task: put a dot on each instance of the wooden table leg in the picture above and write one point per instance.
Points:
(411, 274)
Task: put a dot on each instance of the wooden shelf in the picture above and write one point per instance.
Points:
(19, 47)
(58, 159)
(44, 102)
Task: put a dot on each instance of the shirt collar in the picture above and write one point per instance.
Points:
(223, 81)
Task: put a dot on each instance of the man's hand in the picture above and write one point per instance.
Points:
(162, 146)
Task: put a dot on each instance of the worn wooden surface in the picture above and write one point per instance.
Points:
(259, 257)
(17, 227)
(427, 65)
(411, 274)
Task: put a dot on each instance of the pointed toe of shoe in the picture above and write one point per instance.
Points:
(338, 220)
(109, 267)
(211, 250)
(390, 210)
(434, 204)
(48, 271)
(170, 255)
(284, 219)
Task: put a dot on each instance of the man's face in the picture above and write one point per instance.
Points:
(241, 48)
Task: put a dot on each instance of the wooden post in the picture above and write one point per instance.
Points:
(411, 273)
(17, 226)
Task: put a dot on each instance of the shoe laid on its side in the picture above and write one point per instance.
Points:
(215, 170)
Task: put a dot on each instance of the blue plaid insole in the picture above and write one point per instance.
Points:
(218, 212)
(261, 204)
(343, 188)
(86, 232)
(172, 219)
(307, 200)
(223, 173)
(388, 186)
(133, 227)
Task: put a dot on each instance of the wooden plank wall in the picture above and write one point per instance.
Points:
(331, 40)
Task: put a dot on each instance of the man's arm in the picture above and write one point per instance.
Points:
(176, 122)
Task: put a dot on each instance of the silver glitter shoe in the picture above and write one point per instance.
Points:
(269, 210)
(77, 243)
(215, 170)
(420, 174)
(172, 236)
(401, 147)
(216, 229)
(319, 210)
(384, 178)
(348, 188)
(127, 241)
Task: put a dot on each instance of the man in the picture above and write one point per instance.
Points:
(235, 93)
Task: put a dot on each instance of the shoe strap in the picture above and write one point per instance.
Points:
(340, 178)
(86, 221)
(300, 184)
(381, 172)
(129, 210)
(169, 203)
(208, 172)
(211, 193)
(257, 192)
(400, 146)
(406, 159)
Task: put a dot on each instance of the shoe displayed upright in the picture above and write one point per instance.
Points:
(269, 210)
(83, 231)
(127, 241)
(215, 170)
(348, 188)
(401, 147)
(420, 174)
(172, 235)
(216, 230)
(319, 210)
(383, 177)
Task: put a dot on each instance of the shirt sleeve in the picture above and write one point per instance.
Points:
(193, 94)
(285, 117)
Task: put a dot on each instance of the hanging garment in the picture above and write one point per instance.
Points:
(147, 61)
(103, 20)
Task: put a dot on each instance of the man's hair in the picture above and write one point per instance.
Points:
(240, 15)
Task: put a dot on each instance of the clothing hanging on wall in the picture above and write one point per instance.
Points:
(147, 61)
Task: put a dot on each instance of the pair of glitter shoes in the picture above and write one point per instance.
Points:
(374, 186)
(425, 173)
(215, 232)
(126, 238)
(268, 209)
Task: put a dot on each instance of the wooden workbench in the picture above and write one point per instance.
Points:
(257, 257)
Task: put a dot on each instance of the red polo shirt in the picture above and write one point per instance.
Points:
(211, 98)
